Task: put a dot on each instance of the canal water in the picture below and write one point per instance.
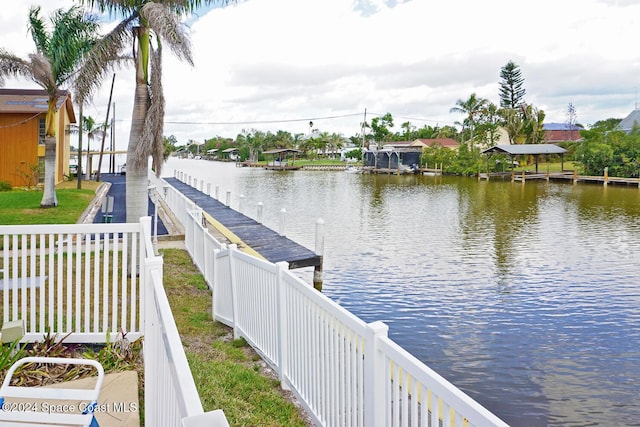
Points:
(526, 297)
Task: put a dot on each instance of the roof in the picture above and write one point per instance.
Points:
(31, 101)
(444, 142)
(560, 126)
(230, 150)
(213, 150)
(526, 149)
(628, 122)
(281, 150)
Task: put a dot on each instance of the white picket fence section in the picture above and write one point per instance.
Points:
(72, 279)
(91, 282)
(343, 371)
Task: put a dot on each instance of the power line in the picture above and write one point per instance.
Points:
(305, 119)
(265, 121)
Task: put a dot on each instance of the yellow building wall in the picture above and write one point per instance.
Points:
(18, 146)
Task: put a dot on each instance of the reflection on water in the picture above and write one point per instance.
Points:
(524, 296)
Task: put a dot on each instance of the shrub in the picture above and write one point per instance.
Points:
(5, 186)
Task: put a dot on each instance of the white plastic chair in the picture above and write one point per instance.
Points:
(38, 412)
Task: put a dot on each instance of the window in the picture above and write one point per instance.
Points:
(41, 130)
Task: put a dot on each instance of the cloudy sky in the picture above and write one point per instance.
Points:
(278, 64)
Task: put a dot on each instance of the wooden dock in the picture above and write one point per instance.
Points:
(559, 176)
(263, 240)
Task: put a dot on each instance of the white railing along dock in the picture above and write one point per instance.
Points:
(344, 372)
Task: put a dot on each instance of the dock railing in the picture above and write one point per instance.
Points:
(89, 283)
(341, 369)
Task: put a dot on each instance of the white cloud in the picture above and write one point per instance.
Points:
(267, 60)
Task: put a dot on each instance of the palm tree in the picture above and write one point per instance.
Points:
(58, 53)
(144, 22)
(94, 131)
(472, 107)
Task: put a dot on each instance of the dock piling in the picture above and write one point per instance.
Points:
(283, 222)
(319, 249)
(241, 204)
(260, 209)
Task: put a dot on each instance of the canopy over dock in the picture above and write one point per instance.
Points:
(281, 159)
(527, 150)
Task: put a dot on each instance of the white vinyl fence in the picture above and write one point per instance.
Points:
(345, 372)
(93, 281)
(72, 279)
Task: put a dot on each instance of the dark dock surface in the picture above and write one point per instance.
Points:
(263, 240)
(118, 191)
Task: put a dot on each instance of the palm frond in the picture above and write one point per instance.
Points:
(166, 24)
(13, 66)
(126, 7)
(41, 72)
(38, 30)
(103, 58)
(150, 143)
(73, 35)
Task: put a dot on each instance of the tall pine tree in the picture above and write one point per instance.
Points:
(511, 90)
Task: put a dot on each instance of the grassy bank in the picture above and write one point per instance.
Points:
(228, 373)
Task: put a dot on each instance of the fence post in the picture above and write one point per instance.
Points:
(375, 375)
(283, 327)
(228, 198)
(152, 331)
(214, 282)
(241, 204)
(217, 197)
(234, 294)
(208, 188)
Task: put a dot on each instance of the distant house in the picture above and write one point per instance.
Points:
(424, 143)
(231, 154)
(22, 131)
(633, 119)
(559, 132)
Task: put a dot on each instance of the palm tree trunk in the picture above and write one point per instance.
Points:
(49, 199)
(137, 169)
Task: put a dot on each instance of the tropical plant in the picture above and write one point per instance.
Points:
(93, 131)
(58, 53)
(615, 150)
(533, 119)
(10, 354)
(471, 108)
(488, 126)
(254, 141)
(380, 127)
(147, 25)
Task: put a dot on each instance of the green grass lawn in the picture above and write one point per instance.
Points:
(544, 167)
(229, 375)
(23, 206)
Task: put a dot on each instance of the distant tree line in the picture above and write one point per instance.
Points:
(602, 146)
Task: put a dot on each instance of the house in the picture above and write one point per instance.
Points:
(452, 144)
(633, 119)
(423, 143)
(559, 132)
(22, 129)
